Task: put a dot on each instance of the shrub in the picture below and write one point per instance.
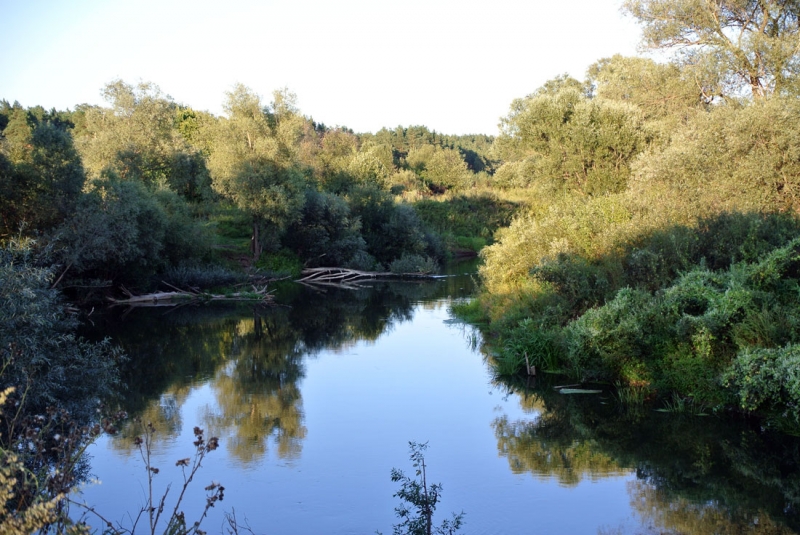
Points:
(326, 234)
(413, 263)
(767, 378)
(542, 346)
(39, 349)
(389, 229)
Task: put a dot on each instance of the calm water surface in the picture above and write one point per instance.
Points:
(315, 402)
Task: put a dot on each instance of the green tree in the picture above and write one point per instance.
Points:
(40, 353)
(144, 136)
(388, 228)
(41, 174)
(573, 143)
(252, 163)
(735, 158)
(122, 230)
(440, 168)
(326, 235)
(750, 44)
(666, 94)
(337, 149)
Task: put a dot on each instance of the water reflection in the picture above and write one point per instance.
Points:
(666, 513)
(247, 373)
(250, 358)
(694, 474)
(257, 398)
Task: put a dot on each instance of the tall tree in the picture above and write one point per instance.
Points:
(143, 136)
(41, 175)
(746, 44)
(571, 142)
(252, 162)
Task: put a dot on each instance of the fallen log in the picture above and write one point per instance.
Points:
(182, 297)
(335, 276)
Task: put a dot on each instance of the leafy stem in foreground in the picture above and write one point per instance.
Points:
(420, 500)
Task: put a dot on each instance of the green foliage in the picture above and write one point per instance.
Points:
(440, 169)
(389, 229)
(414, 263)
(281, 263)
(684, 336)
(478, 215)
(121, 230)
(665, 93)
(326, 234)
(667, 311)
(542, 346)
(41, 177)
(732, 45)
(137, 139)
(571, 142)
(420, 499)
(252, 163)
(768, 378)
(38, 346)
(584, 226)
(734, 158)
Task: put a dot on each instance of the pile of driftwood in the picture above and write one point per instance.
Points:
(349, 277)
(179, 296)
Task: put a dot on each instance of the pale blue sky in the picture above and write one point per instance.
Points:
(452, 65)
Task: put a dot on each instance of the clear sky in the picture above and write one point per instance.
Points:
(452, 65)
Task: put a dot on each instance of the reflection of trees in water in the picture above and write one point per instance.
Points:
(668, 514)
(257, 395)
(252, 358)
(547, 446)
(165, 415)
(722, 472)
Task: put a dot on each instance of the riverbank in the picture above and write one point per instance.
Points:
(703, 314)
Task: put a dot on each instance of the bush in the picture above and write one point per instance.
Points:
(466, 215)
(734, 158)
(542, 346)
(682, 337)
(363, 261)
(39, 350)
(413, 263)
(767, 379)
(326, 234)
(123, 231)
(389, 229)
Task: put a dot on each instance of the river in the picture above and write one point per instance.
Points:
(316, 400)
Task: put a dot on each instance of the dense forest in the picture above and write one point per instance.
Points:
(638, 227)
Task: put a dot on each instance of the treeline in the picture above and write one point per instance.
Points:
(660, 246)
(145, 185)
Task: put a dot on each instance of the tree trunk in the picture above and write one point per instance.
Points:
(255, 243)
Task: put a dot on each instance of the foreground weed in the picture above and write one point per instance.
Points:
(420, 500)
(155, 506)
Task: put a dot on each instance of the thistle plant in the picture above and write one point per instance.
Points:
(155, 506)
